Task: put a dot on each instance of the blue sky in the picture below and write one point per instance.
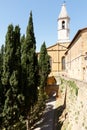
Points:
(45, 15)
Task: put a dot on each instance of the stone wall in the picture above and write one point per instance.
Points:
(76, 107)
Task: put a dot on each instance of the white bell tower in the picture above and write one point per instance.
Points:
(63, 25)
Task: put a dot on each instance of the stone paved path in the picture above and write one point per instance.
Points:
(47, 121)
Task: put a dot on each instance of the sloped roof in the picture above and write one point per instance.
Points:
(57, 44)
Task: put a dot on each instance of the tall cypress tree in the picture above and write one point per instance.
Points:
(22, 43)
(1, 61)
(11, 77)
(44, 66)
(2, 97)
(29, 69)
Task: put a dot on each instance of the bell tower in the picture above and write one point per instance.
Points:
(63, 25)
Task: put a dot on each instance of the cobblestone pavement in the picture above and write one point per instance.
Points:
(47, 121)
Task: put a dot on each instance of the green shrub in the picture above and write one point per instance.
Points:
(73, 86)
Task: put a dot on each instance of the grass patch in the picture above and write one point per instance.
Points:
(73, 86)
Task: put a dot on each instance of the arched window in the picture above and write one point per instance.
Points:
(63, 24)
(63, 63)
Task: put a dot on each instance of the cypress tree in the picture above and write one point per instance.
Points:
(44, 66)
(1, 86)
(22, 43)
(29, 70)
(11, 77)
(1, 59)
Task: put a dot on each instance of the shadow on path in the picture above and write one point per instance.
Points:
(58, 113)
(46, 122)
(51, 117)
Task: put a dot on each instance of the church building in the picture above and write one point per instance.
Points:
(57, 51)
(68, 58)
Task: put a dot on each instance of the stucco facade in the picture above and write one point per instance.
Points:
(75, 56)
(57, 57)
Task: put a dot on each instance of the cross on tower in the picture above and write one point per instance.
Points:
(64, 2)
